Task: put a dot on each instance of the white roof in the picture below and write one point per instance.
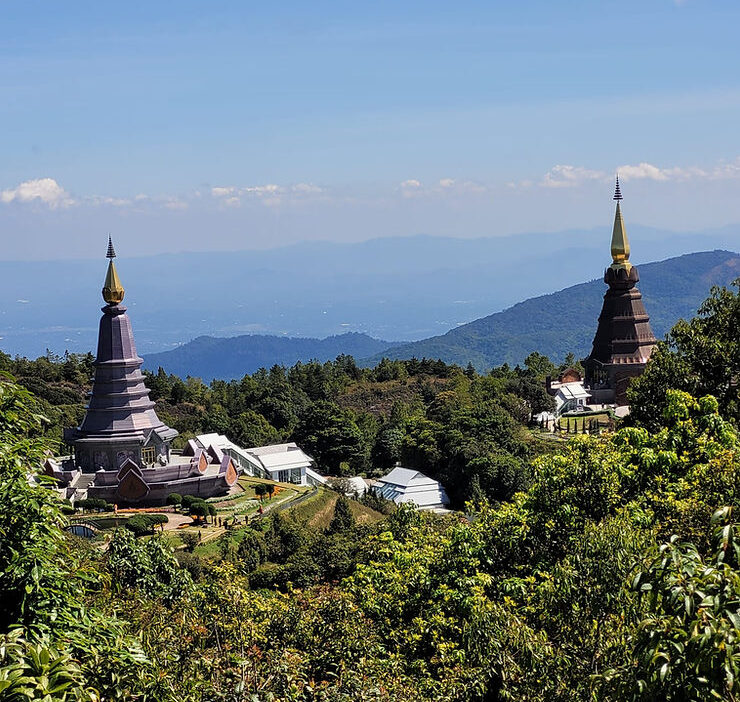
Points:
(573, 391)
(273, 448)
(215, 440)
(405, 477)
(280, 457)
(407, 485)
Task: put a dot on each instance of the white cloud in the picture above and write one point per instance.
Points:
(223, 192)
(650, 172)
(269, 194)
(307, 189)
(45, 190)
(412, 183)
(563, 176)
(568, 176)
(446, 182)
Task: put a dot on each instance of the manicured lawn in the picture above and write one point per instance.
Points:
(577, 422)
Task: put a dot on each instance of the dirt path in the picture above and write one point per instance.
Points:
(175, 521)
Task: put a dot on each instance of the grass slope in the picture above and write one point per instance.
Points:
(318, 511)
(565, 321)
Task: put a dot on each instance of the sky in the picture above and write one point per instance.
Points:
(193, 126)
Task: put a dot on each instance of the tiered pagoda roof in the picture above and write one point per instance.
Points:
(624, 340)
(119, 407)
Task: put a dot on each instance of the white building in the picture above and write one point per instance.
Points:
(283, 463)
(570, 397)
(407, 485)
(355, 486)
(569, 392)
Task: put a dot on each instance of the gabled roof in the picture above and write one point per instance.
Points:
(405, 477)
(273, 448)
(407, 485)
(573, 391)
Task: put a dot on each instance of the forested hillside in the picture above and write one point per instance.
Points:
(565, 321)
(609, 570)
(466, 430)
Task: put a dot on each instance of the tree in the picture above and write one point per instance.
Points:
(260, 489)
(251, 550)
(343, 519)
(188, 500)
(92, 503)
(199, 510)
(250, 428)
(539, 365)
(685, 646)
(701, 357)
(190, 540)
(174, 499)
(270, 487)
(331, 436)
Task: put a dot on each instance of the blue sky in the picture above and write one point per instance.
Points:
(192, 125)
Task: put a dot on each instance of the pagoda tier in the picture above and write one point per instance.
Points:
(119, 405)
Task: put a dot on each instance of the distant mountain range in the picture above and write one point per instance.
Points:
(553, 324)
(398, 288)
(565, 321)
(208, 357)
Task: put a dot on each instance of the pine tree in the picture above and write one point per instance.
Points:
(343, 519)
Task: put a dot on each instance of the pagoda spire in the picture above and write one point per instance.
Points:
(113, 291)
(620, 248)
(112, 252)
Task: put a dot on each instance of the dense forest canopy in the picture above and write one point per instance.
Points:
(602, 567)
(464, 429)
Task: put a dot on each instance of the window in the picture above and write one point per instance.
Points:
(148, 454)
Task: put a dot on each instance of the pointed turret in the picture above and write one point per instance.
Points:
(624, 340)
(620, 248)
(112, 252)
(113, 291)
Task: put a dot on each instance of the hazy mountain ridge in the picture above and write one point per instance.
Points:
(553, 324)
(408, 288)
(209, 357)
(565, 321)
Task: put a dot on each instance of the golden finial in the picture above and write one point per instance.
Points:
(620, 242)
(112, 289)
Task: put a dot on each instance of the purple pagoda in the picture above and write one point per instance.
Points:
(121, 451)
(624, 340)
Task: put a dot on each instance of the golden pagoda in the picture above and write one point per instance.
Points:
(113, 291)
(624, 340)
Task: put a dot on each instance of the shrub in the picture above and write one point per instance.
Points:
(188, 500)
(199, 509)
(192, 563)
(143, 524)
(190, 540)
(139, 524)
(92, 503)
(175, 499)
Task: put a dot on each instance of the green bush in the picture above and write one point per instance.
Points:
(92, 503)
(188, 500)
(143, 524)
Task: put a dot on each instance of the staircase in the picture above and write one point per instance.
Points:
(80, 487)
